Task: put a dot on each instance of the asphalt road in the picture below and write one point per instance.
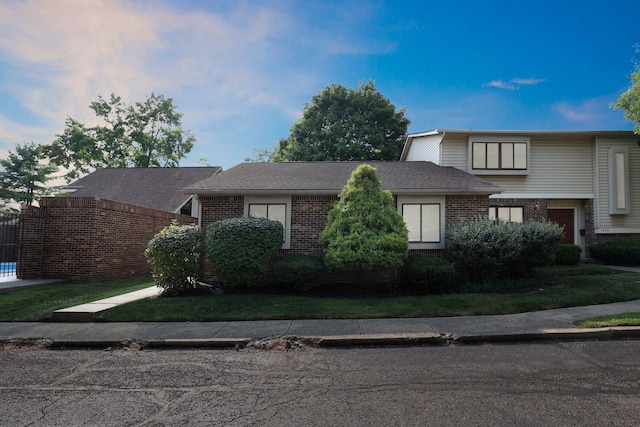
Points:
(543, 384)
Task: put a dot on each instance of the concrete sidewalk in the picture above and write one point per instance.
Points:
(541, 325)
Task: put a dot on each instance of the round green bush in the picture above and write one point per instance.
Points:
(241, 249)
(175, 258)
(300, 272)
(619, 252)
(427, 274)
(568, 255)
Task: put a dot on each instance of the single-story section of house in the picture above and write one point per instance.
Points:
(154, 188)
(300, 195)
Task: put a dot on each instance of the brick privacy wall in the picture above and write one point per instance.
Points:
(88, 239)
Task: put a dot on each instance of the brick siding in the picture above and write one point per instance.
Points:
(309, 215)
(88, 239)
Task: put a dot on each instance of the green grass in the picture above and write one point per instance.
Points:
(576, 289)
(552, 288)
(37, 303)
(623, 319)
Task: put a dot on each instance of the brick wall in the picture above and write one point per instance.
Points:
(88, 239)
(309, 215)
(533, 209)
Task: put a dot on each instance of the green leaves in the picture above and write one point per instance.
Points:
(629, 101)
(346, 124)
(145, 134)
(240, 249)
(175, 257)
(25, 174)
(363, 229)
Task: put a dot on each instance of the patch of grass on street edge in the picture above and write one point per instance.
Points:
(565, 291)
(623, 319)
(37, 303)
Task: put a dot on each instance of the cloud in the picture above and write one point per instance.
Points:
(590, 110)
(501, 85)
(514, 83)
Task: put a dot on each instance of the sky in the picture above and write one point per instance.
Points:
(242, 71)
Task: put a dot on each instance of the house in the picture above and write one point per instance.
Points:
(300, 195)
(155, 188)
(586, 181)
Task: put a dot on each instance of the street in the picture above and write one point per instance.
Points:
(529, 384)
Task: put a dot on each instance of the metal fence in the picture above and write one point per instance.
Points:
(9, 237)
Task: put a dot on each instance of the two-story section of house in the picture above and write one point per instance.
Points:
(586, 181)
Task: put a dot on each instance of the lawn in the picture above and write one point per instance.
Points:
(560, 287)
(569, 288)
(37, 303)
(622, 319)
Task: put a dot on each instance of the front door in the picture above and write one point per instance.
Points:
(565, 219)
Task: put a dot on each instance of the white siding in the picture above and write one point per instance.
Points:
(425, 149)
(557, 166)
(604, 222)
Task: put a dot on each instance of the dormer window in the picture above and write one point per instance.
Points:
(499, 155)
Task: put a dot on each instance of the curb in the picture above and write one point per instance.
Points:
(347, 341)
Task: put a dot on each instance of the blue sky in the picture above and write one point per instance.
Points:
(241, 71)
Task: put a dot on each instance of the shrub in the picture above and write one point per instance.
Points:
(489, 249)
(363, 229)
(301, 272)
(568, 255)
(620, 252)
(485, 249)
(541, 240)
(175, 258)
(240, 249)
(426, 274)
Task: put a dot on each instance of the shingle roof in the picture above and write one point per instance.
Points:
(156, 188)
(330, 177)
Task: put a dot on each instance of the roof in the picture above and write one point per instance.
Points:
(330, 177)
(156, 188)
(538, 133)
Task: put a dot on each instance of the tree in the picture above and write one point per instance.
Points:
(629, 101)
(345, 124)
(364, 230)
(25, 175)
(146, 134)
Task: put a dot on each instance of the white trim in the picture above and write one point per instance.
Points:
(613, 174)
(426, 200)
(274, 200)
(542, 196)
(613, 230)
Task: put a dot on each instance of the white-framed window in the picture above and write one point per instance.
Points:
(274, 208)
(424, 218)
(619, 194)
(498, 155)
(507, 213)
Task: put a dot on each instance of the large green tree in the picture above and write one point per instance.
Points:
(25, 175)
(345, 124)
(629, 101)
(146, 134)
(364, 230)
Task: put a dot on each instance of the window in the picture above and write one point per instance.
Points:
(424, 218)
(619, 180)
(274, 208)
(498, 155)
(507, 213)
